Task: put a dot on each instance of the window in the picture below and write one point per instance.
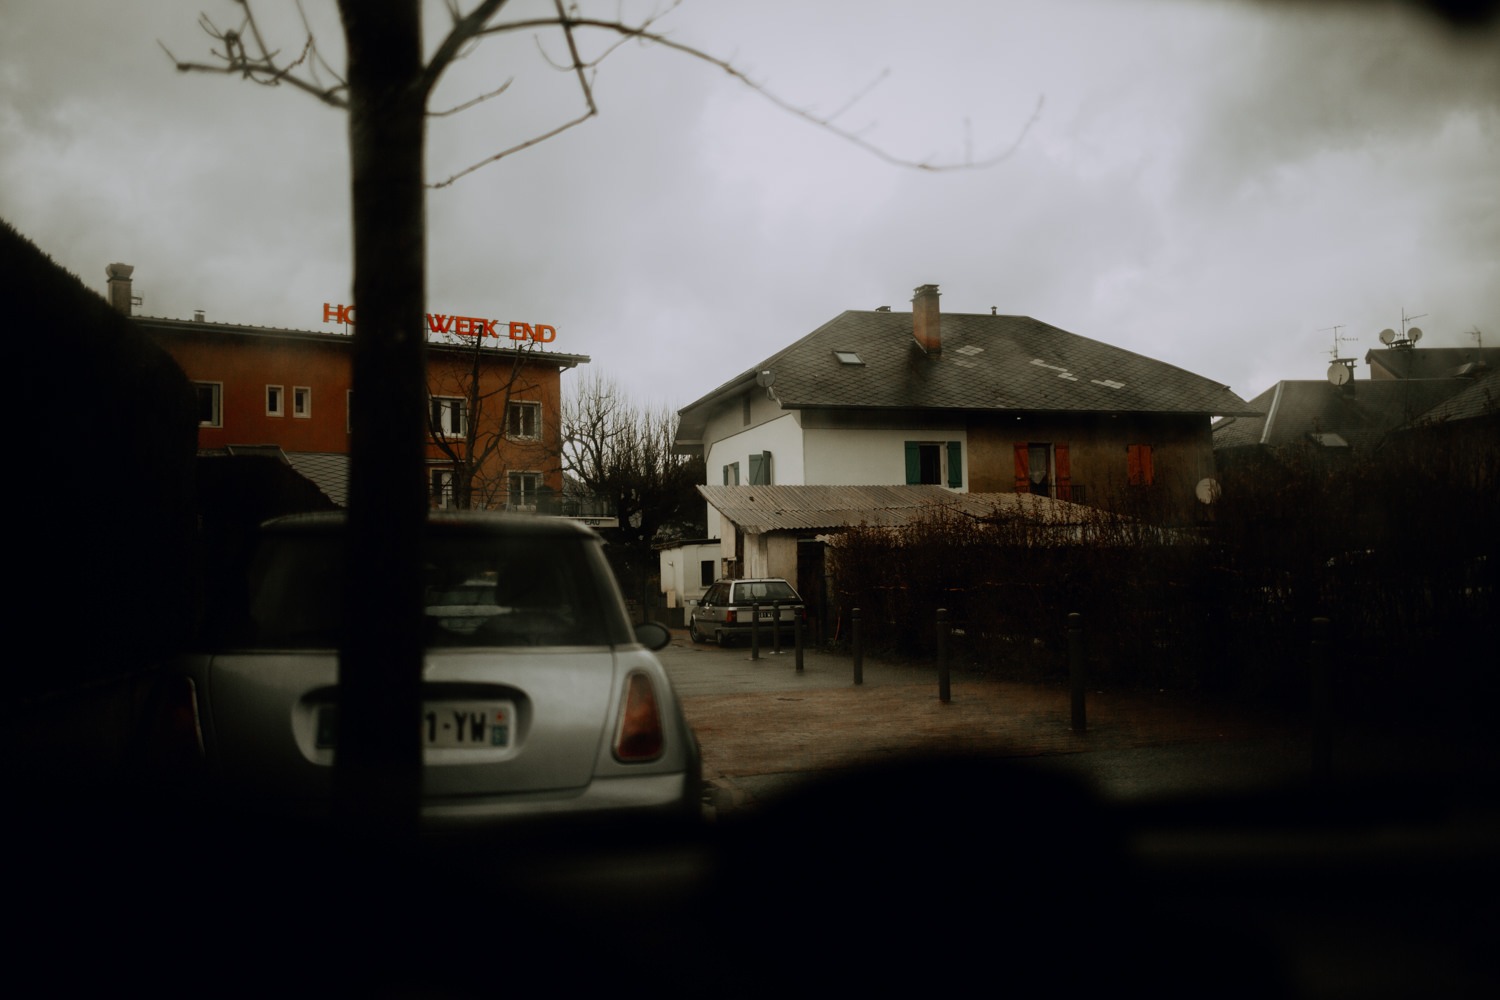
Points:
(1138, 468)
(936, 463)
(523, 490)
(848, 357)
(760, 469)
(448, 416)
(706, 572)
(442, 488)
(274, 401)
(524, 420)
(301, 401)
(1043, 469)
(210, 403)
(732, 474)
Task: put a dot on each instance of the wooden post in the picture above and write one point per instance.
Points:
(945, 695)
(755, 631)
(1076, 673)
(857, 638)
(797, 635)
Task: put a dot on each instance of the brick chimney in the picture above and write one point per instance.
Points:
(119, 286)
(926, 320)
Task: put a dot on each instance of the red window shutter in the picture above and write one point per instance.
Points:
(1023, 469)
(1138, 469)
(1064, 472)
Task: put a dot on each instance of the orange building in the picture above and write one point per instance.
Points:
(495, 413)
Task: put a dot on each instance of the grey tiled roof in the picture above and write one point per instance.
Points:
(329, 471)
(1430, 362)
(1480, 399)
(1361, 412)
(987, 362)
(756, 509)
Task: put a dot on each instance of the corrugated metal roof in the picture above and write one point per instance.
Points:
(757, 509)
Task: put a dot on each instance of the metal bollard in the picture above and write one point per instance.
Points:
(1321, 695)
(1076, 675)
(857, 639)
(797, 635)
(775, 628)
(945, 694)
(755, 631)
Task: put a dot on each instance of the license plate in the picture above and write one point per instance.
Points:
(469, 725)
(466, 725)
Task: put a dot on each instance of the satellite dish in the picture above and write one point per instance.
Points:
(1207, 490)
(1414, 334)
(765, 379)
(1338, 373)
(1387, 336)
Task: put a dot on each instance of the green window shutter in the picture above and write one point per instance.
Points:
(956, 464)
(913, 464)
(760, 469)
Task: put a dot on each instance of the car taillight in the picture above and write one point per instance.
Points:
(174, 738)
(639, 736)
(729, 617)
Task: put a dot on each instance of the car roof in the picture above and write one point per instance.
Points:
(457, 522)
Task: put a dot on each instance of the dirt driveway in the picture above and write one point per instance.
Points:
(762, 724)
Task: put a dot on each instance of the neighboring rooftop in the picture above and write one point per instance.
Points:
(1429, 362)
(1359, 413)
(871, 360)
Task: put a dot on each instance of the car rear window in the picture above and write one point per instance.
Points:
(480, 589)
(763, 591)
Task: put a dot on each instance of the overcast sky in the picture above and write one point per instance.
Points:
(1211, 183)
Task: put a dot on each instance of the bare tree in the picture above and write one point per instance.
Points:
(386, 89)
(623, 453)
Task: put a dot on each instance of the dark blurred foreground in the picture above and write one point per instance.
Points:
(940, 874)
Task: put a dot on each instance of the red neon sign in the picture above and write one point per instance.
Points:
(459, 326)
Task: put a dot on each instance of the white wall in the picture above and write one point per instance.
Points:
(782, 437)
(681, 571)
(870, 457)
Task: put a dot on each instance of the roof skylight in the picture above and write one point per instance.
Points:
(848, 358)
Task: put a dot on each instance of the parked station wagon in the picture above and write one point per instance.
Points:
(725, 612)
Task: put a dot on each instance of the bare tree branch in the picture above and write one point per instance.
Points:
(466, 105)
(643, 33)
(245, 52)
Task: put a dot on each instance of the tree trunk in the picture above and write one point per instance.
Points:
(377, 775)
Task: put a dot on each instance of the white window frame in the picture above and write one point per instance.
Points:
(275, 401)
(440, 488)
(523, 406)
(302, 401)
(440, 408)
(528, 501)
(217, 390)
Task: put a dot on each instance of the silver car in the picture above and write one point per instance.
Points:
(538, 695)
(726, 611)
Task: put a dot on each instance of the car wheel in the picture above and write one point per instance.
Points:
(693, 632)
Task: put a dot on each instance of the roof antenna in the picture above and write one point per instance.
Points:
(1342, 369)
